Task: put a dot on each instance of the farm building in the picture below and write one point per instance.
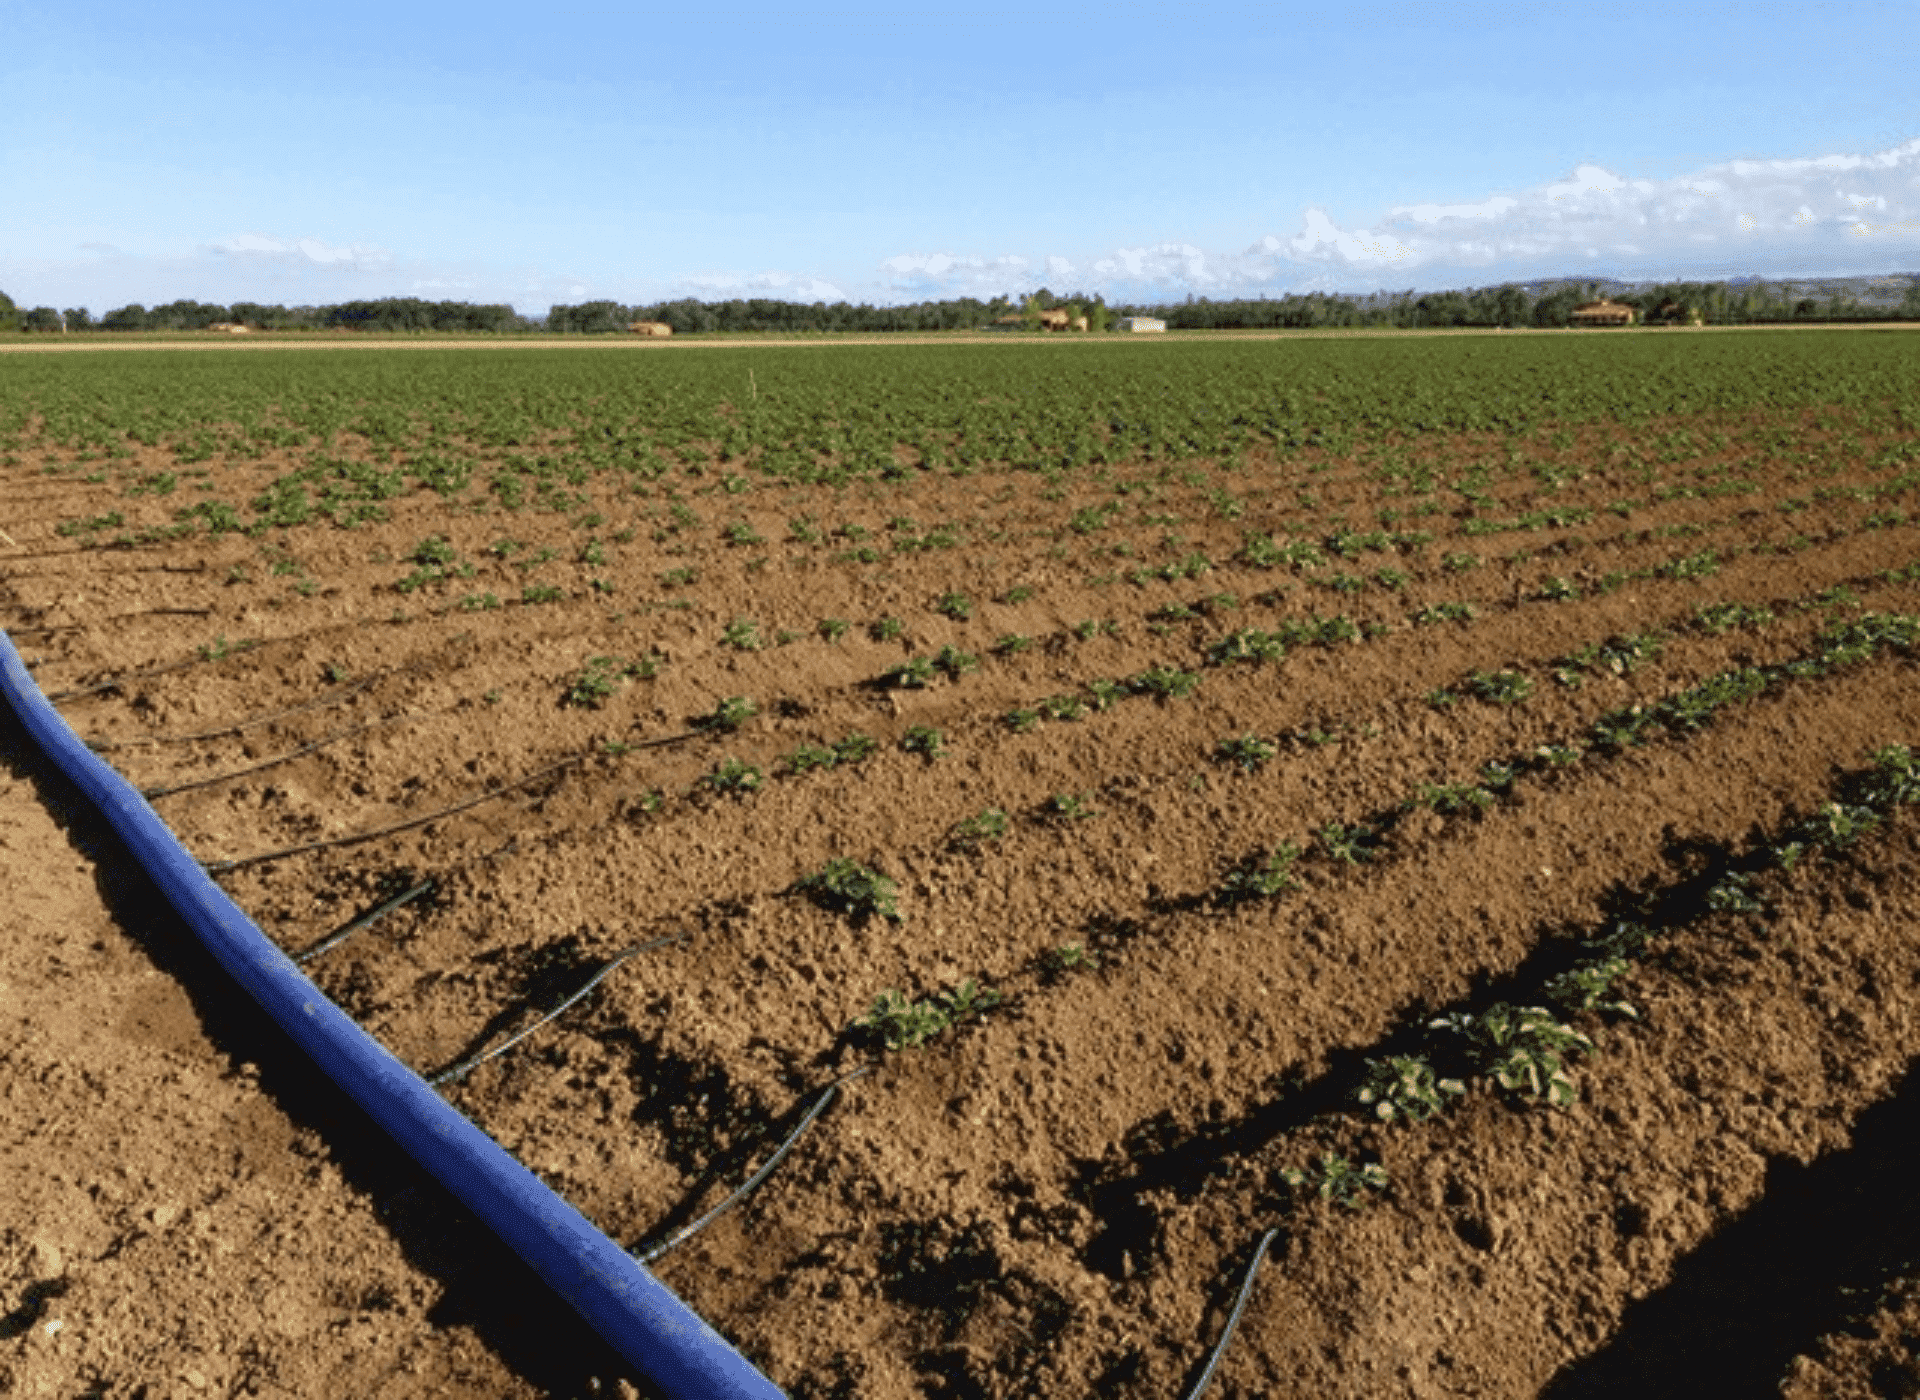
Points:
(1138, 324)
(660, 328)
(1603, 313)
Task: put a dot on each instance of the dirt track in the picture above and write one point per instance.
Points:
(1055, 1198)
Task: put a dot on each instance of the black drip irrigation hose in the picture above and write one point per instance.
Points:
(687, 1232)
(120, 682)
(106, 746)
(366, 920)
(155, 793)
(473, 1062)
(1233, 1318)
(221, 867)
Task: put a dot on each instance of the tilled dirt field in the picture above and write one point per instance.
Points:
(1207, 791)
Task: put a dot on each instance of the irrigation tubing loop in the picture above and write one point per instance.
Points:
(473, 1062)
(643, 1319)
(1233, 1318)
(687, 1232)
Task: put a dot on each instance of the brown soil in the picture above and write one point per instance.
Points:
(1058, 1197)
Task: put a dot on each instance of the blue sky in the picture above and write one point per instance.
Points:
(563, 152)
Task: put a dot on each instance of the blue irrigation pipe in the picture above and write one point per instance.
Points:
(660, 1335)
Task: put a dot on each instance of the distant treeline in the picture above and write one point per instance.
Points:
(1537, 304)
(389, 314)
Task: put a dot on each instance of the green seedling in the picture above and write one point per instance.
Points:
(901, 1024)
(1556, 589)
(730, 713)
(1522, 1048)
(1165, 683)
(1249, 645)
(834, 628)
(1589, 987)
(1066, 708)
(1556, 755)
(1068, 957)
(887, 629)
(1500, 687)
(1451, 799)
(808, 757)
(679, 578)
(1404, 1087)
(1444, 612)
(954, 662)
(1338, 1181)
(923, 740)
(1734, 894)
(1716, 618)
(734, 778)
(1248, 752)
(742, 634)
(1262, 877)
(541, 593)
(1023, 721)
(1350, 845)
(1064, 806)
(856, 748)
(1012, 644)
(915, 673)
(955, 605)
(1106, 694)
(989, 825)
(847, 887)
(1016, 595)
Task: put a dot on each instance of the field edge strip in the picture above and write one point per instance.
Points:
(637, 1314)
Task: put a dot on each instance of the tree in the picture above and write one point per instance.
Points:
(1911, 306)
(132, 317)
(41, 318)
(9, 314)
(78, 318)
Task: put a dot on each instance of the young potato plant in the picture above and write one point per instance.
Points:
(1068, 957)
(1405, 1087)
(1247, 753)
(729, 714)
(924, 740)
(1262, 877)
(1522, 1048)
(900, 1024)
(858, 891)
(1500, 687)
(975, 831)
(597, 682)
(734, 778)
(1338, 1181)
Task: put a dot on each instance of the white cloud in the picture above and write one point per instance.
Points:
(780, 286)
(361, 256)
(1829, 215)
